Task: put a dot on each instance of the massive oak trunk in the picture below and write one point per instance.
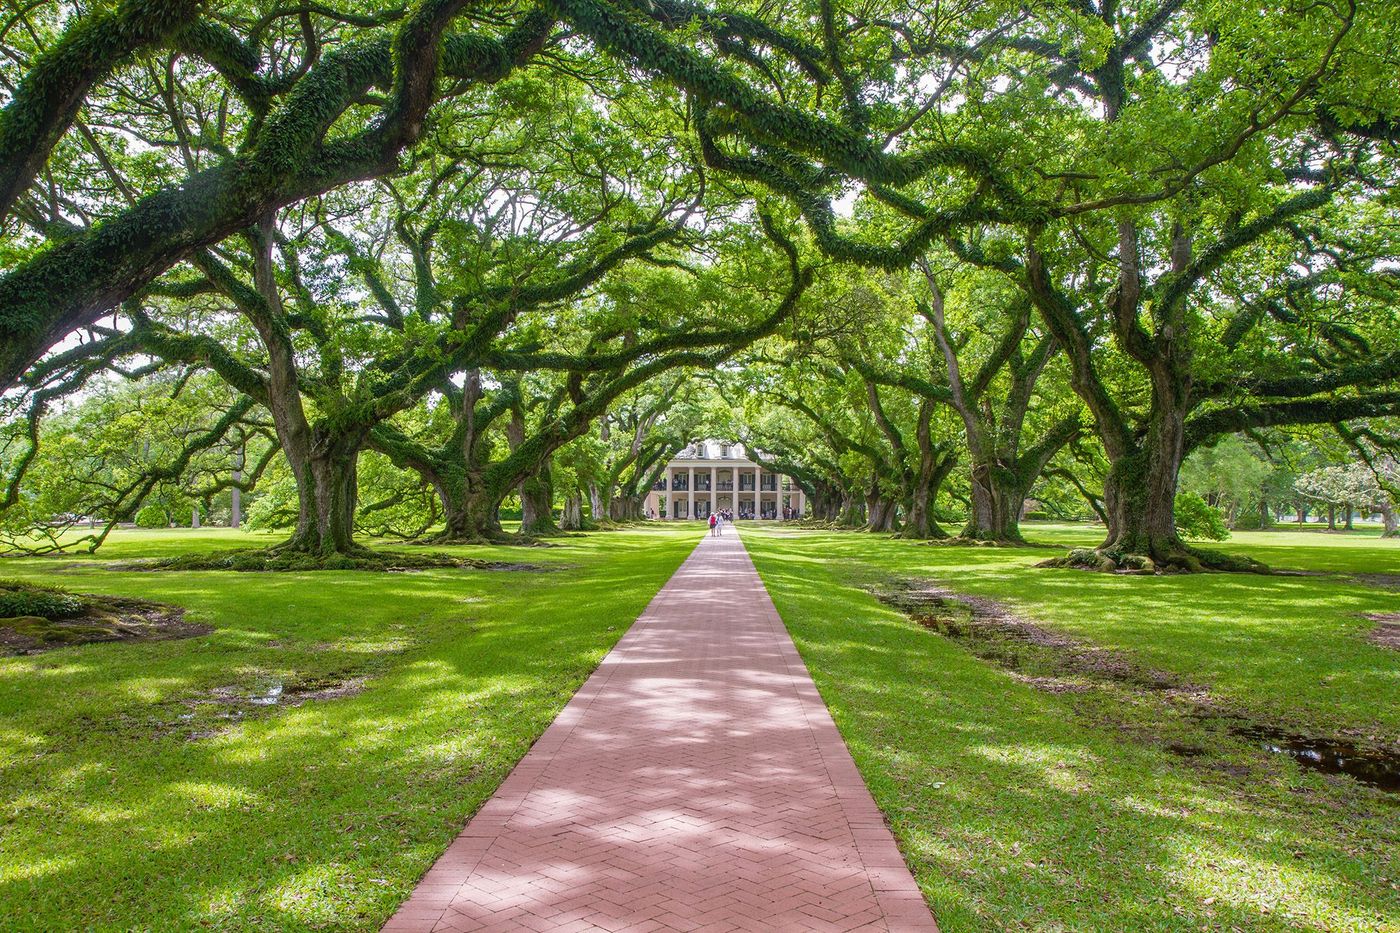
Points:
(997, 499)
(1139, 499)
(1145, 460)
(1140, 490)
(824, 501)
(327, 494)
(571, 518)
(597, 502)
(920, 522)
(851, 512)
(471, 507)
(323, 456)
(882, 512)
(627, 508)
(537, 503)
(1001, 473)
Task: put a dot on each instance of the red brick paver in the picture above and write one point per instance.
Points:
(695, 782)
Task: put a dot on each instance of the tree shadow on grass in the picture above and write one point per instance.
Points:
(1289, 648)
(321, 815)
(1016, 811)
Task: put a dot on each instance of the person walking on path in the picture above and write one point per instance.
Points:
(714, 525)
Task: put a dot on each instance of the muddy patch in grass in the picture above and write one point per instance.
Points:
(1385, 581)
(1060, 664)
(58, 619)
(1387, 629)
(1371, 766)
(260, 561)
(215, 711)
(279, 693)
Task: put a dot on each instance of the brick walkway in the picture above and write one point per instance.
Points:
(695, 782)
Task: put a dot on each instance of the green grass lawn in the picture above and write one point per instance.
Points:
(129, 800)
(1023, 808)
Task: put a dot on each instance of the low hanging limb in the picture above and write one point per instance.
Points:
(126, 500)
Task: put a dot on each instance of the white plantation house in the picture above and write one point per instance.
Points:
(710, 476)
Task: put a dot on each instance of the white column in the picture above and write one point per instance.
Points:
(757, 493)
(798, 506)
(714, 490)
(690, 486)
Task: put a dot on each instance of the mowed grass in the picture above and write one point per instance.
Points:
(129, 800)
(1024, 809)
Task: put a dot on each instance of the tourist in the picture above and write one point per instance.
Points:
(714, 526)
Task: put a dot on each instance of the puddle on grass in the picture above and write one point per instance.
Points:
(272, 697)
(993, 634)
(276, 693)
(1370, 766)
(225, 707)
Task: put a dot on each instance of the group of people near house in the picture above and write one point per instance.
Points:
(719, 519)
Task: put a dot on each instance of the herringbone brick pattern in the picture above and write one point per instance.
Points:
(695, 782)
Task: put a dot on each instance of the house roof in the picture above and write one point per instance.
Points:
(713, 450)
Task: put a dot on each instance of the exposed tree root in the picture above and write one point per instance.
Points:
(494, 537)
(39, 618)
(271, 560)
(963, 541)
(1184, 560)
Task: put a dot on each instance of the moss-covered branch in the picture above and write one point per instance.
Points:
(47, 99)
(78, 279)
(1205, 427)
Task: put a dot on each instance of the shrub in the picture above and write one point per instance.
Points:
(27, 599)
(1250, 520)
(152, 516)
(1196, 518)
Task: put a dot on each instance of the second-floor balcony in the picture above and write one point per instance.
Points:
(724, 487)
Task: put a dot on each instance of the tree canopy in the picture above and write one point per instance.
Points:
(931, 263)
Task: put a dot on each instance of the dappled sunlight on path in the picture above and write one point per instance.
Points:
(696, 781)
